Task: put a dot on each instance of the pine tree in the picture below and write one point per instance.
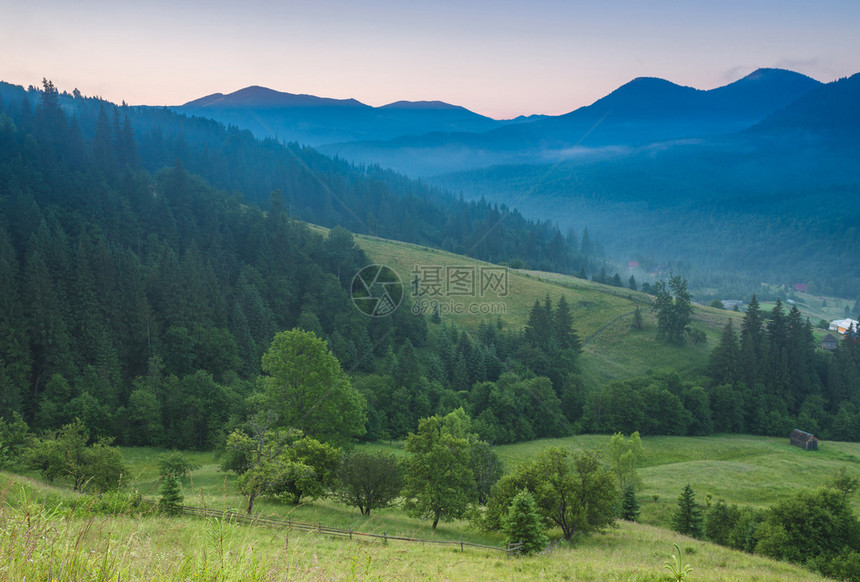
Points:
(753, 344)
(171, 499)
(103, 150)
(435, 317)
(538, 327)
(724, 358)
(523, 524)
(629, 504)
(408, 369)
(673, 306)
(688, 517)
(563, 324)
(14, 348)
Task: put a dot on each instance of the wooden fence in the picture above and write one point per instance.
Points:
(289, 523)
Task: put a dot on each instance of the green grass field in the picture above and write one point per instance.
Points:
(37, 544)
(741, 469)
(746, 470)
(601, 313)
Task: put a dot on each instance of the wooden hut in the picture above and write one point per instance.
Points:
(804, 440)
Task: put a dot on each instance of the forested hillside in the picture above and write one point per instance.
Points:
(142, 303)
(315, 188)
(130, 297)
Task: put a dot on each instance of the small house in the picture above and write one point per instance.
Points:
(804, 440)
(843, 325)
(829, 342)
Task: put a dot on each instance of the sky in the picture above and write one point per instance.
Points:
(501, 58)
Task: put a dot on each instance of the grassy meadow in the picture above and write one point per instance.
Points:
(56, 528)
(602, 314)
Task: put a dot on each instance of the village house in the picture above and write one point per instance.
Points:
(843, 325)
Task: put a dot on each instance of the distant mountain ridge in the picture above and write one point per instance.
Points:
(425, 138)
(832, 109)
(314, 121)
(256, 96)
(642, 111)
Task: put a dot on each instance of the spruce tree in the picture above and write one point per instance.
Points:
(688, 517)
(673, 306)
(753, 344)
(563, 324)
(539, 327)
(629, 504)
(171, 496)
(523, 524)
(724, 358)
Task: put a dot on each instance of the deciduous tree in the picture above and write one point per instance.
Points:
(305, 385)
(439, 482)
(368, 481)
(572, 491)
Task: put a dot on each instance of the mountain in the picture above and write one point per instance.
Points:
(778, 201)
(831, 110)
(762, 92)
(256, 97)
(315, 121)
(642, 111)
(731, 107)
(432, 137)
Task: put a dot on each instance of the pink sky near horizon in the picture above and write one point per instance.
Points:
(500, 59)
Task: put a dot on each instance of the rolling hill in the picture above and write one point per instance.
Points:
(602, 314)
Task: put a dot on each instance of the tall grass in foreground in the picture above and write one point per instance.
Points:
(43, 543)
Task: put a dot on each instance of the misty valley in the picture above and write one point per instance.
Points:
(265, 336)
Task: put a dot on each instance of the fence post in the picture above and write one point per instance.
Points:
(350, 533)
(461, 546)
(385, 538)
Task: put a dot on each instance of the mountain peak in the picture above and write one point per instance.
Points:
(642, 96)
(769, 74)
(421, 105)
(263, 97)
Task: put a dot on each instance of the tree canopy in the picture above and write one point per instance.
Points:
(306, 386)
(440, 483)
